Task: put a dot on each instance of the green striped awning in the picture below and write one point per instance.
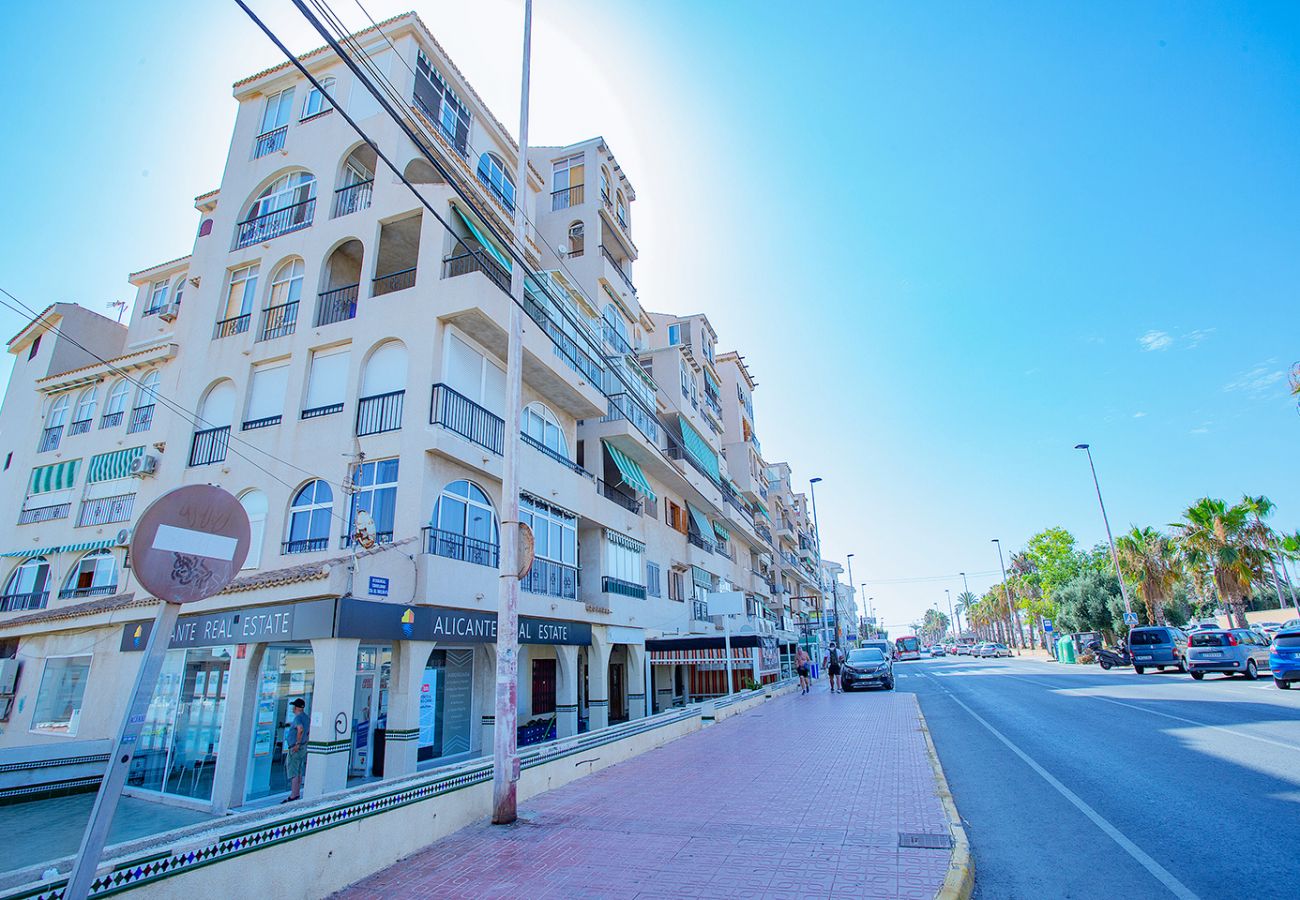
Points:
(763, 509)
(55, 477)
(108, 466)
(712, 382)
(700, 450)
(633, 477)
(721, 530)
(478, 236)
(701, 520)
(65, 548)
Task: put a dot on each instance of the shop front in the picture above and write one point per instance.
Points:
(695, 668)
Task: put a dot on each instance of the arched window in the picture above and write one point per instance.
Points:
(255, 505)
(157, 298)
(604, 186)
(58, 411)
(178, 290)
(115, 405)
(94, 574)
(286, 283)
(616, 329)
(492, 172)
(577, 239)
(285, 205)
(285, 191)
(620, 207)
(146, 396)
(309, 518)
(28, 585)
(316, 102)
(212, 430)
(85, 412)
(541, 425)
(383, 390)
(465, 525)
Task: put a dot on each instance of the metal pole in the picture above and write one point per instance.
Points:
(1006, 589)
(965, 585)
(849, 559)
(726, 640)
(1128, 608)
(950, 615)
(119, 764)
(505, 759)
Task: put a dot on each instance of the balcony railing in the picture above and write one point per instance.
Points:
(558, 457)
(610, 585)
(570, 196)
(551, 579)
(394, 281)
(764, 532)
(16, 602)
(380, 413)
(700, 610)
(264, 422)
(44, 514)
(106, 510)
(232, 326)
(337, 305)
(269, 141)
(315, 412)
(81, 426)
(111, 420)
(458, 546)
(458, 413)
(278, 321)
(209, 446)
(353, 198)
(625, 406)
(50, 438)
(616, 341)
(618, 495)
(617, 268)
(476, 261)
(141, 419)
(275, 223)
(698, 541)
(103, 590)
(307, 545)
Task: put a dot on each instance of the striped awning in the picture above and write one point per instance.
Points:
(700, 450)
(65, 548)
(110, 466)
(721, 530)
(633, 477)
(763, 510)
(701, 520)
(483, 241)
(54, 477)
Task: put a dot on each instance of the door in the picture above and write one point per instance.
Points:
(616, 713)
(543, 687)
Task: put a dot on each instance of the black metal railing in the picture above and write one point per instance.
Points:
(80, 426)
(566, 347)
(618, 268)
(699, 541)
(566, 197)
(609, 585)
(380, 413)
(278, 321)
(103, 590)
(337, 305)
(394, 281)
(275, 223)
(451, 545)
(553, 454)
(764, 532)
(141, 419)
(264, 422)
(618, 495)
(232, 326)
(353, 198)
(209, 446)
(111, 420)
(700, 610)
(552, 579)
(316, 412)
(456, 412)
(476, 261)
(50, 438)
(625, 406)
(16, 602)
(44, 513)
(106, 510)
(269, 141)
(307, 545)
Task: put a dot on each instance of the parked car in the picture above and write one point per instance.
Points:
(982, 650)
(1158, 647)
(996, 650)
(867, 667)
(937, 650)
(1284, 655)
(1269, 628)
(963, 650)
(1290, 625)
(1232, 651)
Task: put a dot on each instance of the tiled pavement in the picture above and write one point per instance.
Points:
(800, 797)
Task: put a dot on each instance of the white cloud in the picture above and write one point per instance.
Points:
(1203, 428)
(1156, 340)
(1139, 415)
(1258, 380)
(1197, 336)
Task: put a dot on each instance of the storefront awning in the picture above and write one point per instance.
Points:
(65, 548)
(110, 466)
(55, 477)
(701, 520)
(700, 450)
(486, 244)
(633, 477)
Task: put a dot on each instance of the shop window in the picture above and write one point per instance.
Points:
(59, 698)
(446, 693)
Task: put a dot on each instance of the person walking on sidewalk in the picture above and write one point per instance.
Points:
(801, 662)
(833, 668)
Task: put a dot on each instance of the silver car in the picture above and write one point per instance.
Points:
(1232, 651)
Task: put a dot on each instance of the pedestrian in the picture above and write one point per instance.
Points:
(801, 662)
(833, 668)
(295, 757)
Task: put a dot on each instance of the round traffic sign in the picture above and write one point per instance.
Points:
(190, 543)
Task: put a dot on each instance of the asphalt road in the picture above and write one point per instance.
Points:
(1079, 783)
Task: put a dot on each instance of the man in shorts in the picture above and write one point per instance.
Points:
(295, 757)
(802, 661)
(833, 669)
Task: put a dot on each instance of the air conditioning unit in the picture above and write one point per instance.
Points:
(123, 538)
(9, 676)
(144, 465)
(169, 312)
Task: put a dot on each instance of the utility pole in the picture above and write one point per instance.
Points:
(505, 758)
(965, 586)
(849, 558)
(1006, 589)
(950, 616)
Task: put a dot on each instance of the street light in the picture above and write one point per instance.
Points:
(1128, 609)
(950, 617)
(1006, 589)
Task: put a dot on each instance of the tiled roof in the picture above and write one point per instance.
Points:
(211, 193)
(29, 325)
(161, 265)
(114, 362)
(76, 610)
(319, 50)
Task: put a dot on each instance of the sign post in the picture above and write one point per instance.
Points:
(726, 604)
(188, 545)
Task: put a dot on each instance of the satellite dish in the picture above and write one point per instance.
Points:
(363, 530)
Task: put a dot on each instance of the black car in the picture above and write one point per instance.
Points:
(867, 667)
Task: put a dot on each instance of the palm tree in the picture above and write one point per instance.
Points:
(965, 600)
(1217, 538)
(1291, 551)
(1150, 558)
(1261, 508)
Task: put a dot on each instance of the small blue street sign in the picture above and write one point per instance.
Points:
(1130, 618)
(378, 586)
(1047, 624)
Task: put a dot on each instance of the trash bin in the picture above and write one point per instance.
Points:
(1065, 651)
(377, 764)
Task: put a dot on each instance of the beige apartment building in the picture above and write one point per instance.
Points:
(332, 352)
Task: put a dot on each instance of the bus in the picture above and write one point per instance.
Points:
(907, 647)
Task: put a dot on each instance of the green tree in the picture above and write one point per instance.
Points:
(1149, 558)
(1089, 602)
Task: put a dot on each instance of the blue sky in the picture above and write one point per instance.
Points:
(951, 240)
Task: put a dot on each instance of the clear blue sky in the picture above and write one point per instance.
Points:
(951, 241)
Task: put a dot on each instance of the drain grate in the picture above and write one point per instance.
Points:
(924, 841)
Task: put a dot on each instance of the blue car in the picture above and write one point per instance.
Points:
(1158, 646)
(1284, 657)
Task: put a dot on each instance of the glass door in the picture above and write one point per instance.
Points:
(288, 672)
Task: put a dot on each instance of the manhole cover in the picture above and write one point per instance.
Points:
(924, 841)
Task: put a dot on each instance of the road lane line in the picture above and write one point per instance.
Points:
(1176, 887)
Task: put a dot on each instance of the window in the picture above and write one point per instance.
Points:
(674, 335)
(675, 516)
(604, 185)
(309, 518)
(327, 382)
(147, 395)
(256, 506)
(94, 574)
(316, 103)
(541, 425)
(376, 493)
(676, 589)
(35, 348)
(240, 292)
(621, 209)
(277, 110)
(178, 290)
(685, 379)
(652, 588)
(492, 172)
(567, 182)
(115, 405)
(86, 404)
(623, 559)
(439, 102)
(266, 395)
(473, 375)
(577, 239)
(555, 532)
(286, 283)
(465, 509)
(27, 585)
(157, 298)
(616, 328)
(286, 191)
(58, 411)
(58, 700)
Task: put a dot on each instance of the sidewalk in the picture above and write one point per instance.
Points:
(801, 797)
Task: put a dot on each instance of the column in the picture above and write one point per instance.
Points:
(566, 691)
(236, 733)
(485, 692)
(402, 743)
(636, 663)
(598, 681)
(663, 682)
(329, 742)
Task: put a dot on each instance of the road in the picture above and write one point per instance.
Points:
(1080, 783)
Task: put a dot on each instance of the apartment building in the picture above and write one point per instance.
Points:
(332, 352)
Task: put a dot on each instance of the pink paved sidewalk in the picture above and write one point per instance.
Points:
(800, 797)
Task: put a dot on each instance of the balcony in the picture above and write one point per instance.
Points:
(619, 496)
(316, 412)
(622, 588)
(567, 197)
(307, 545)
(279, 321)
(459, 414)
(353, 198)
(103, 590)
(230, 327)
(625, 406)
(700, 610)
(44, 514)
(19, 602)
(81, 426)
(393, 281)
(764, 532)
(269, 142)
(107, 509)
(337, 305)
(695, 540)
(209, 446)
(275, 223)
(450, 545)
(609, 257)
(557, 457)
(380, 413)
(50, 438)
(264, 422)
(476, 261)
(141, 419)
(111, 420)
(551, 579)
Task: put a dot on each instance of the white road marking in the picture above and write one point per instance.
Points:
(196, 543)
(1176, 887)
